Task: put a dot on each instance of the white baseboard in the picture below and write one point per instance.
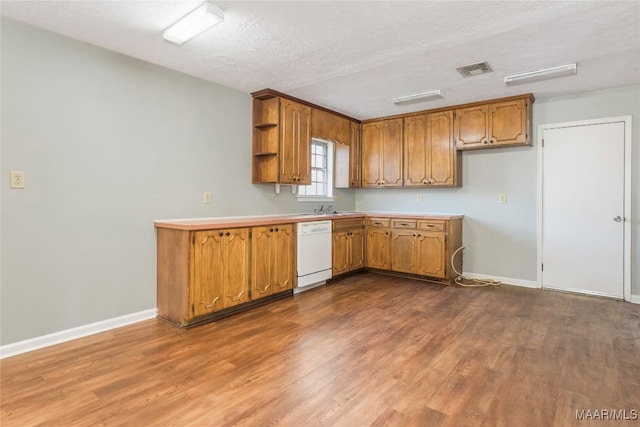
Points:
(505, 280)
(635, 299)
(71, 334)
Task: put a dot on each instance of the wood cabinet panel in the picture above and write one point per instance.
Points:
(382, 153)
(283, 258)
(220, 270)
(378, 248)
(354, 155)
(508, 122)
(495, 124)
(347, 250)
(430, 156)
(471, 127)
(403, 251)
(422, 247)
(295, 143)
(325, 125)
(357, 249)
(340, 253)
(273, 259)
(431, 254)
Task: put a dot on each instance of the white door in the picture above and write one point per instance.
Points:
(583, 196)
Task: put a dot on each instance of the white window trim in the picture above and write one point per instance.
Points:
(330, 178)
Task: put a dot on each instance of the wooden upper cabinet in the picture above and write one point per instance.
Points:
(430, 156)
(354, 155)
(509, 123)
(381, 154)
(295, 143)
(496, 124)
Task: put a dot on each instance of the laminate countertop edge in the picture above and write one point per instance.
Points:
(195, 224)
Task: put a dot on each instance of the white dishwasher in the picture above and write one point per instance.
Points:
(314, 254)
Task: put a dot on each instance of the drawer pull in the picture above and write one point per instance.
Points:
(430, 225)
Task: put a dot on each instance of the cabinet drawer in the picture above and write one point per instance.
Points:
(341, 224)
(404, 223)
(431, 225)
(378, 222)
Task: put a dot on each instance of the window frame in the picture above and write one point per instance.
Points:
(328, 171)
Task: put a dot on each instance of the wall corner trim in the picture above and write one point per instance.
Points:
(36, 343)
(504, 280)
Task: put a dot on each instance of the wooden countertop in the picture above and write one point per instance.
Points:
(258, 220)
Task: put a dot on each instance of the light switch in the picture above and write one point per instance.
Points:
(206, 198)
(502, 198)
(16, 179)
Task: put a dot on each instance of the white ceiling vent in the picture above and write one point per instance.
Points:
(474, 69)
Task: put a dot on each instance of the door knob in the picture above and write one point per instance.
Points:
(617, 218)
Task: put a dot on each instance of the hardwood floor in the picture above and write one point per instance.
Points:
(365, 350)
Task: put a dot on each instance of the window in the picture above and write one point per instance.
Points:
(321, 172)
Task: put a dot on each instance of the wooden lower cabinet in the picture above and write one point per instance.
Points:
(347, 250)
(418, 252)
(273, 260)
(378, 247)
(220, 265)
(204, 274)
(415, 246)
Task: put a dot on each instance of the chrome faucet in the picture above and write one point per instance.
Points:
(323, 210)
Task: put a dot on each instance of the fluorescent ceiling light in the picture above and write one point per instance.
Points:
(545, 73)
(426, 96)
(194, 23)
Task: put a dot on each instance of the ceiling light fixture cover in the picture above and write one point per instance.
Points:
(194, 23)
(427, 96)
(545, 73)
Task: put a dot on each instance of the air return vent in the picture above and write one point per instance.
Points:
(474, 69)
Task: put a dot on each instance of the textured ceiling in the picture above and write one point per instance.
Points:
(355, 57)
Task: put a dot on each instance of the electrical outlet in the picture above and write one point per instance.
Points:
(419, 198)
(16, 179)
(502, 198)
(206, 198)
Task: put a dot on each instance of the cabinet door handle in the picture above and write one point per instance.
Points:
(238, 297)
(386, 233)
(276, 230)
(212, 302)
(220, 234)
(227, 233)
(271, 230)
